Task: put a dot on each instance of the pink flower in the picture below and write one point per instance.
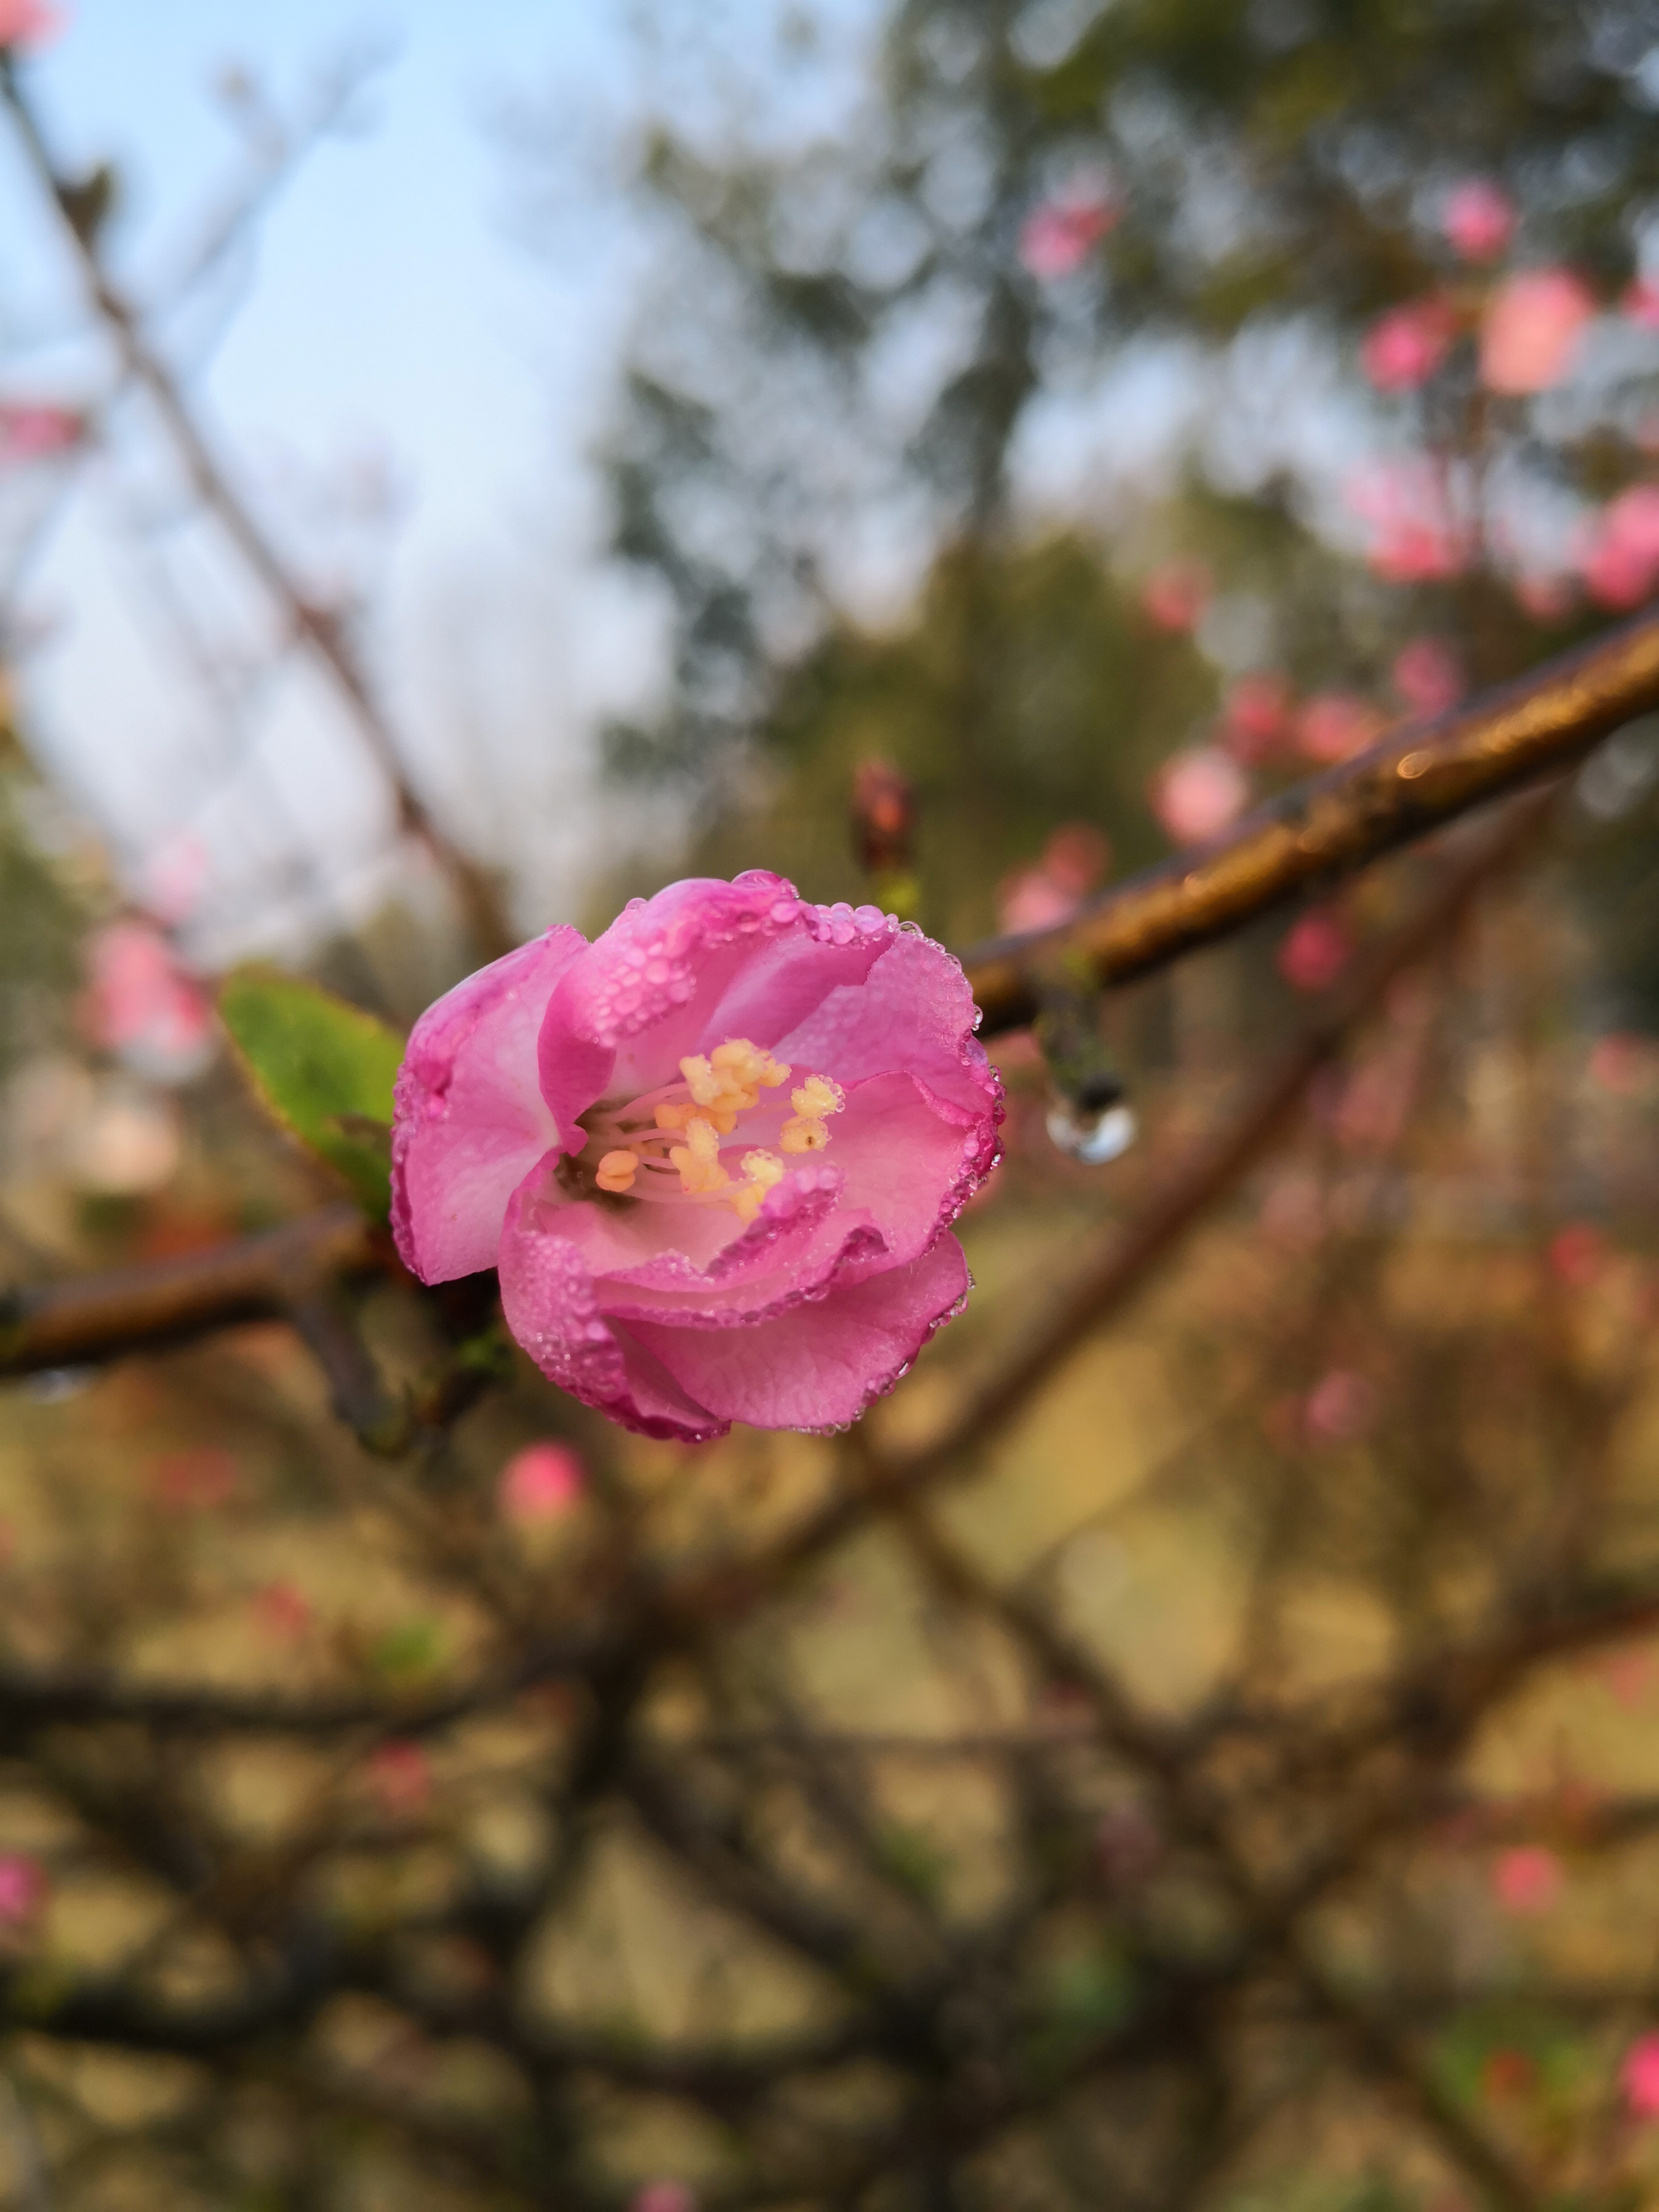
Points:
(540, 1483)
(140, 1004)
(1060, 235)
(1340, 1407)
(32, 430)
(399, 1778)
(1617, 1062)
(1428, 676)
(1256, 716)
(1176, 594)
(1335, 725)
(1528, 1879)
(29, 23)
(714, 1155)
(1415, 537)
(1533, 328)
(1638, 2077)
(1196, 793)
(1314, 951)
(1640, 304)
(22, 1889)
(1403, 348)
(663, 2197)
(1479, 220)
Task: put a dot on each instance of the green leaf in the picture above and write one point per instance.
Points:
(325, 1069)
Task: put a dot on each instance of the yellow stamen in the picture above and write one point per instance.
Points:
(814, 1102)
(617, 1170)
(698, 1159)
(764, 1171)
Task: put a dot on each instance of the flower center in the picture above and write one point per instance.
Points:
(666, 1144)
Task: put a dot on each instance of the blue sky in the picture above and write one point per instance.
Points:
(397, 307)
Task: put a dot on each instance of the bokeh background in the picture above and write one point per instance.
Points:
(1193, 1744)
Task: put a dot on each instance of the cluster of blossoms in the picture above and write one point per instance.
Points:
(1527, 330)
(714, 1155)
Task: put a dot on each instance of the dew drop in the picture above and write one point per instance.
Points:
(1092, 1137)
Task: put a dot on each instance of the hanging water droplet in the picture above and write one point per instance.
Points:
(1095, 1126)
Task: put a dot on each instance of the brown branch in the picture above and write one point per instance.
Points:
(316, 626)
(1420, 776)
(141, 1308)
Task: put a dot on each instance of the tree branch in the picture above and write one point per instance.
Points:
(1420, 776)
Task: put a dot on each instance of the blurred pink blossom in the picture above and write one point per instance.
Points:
(663, 2197)
(1640, 304)
(1072, 863)
(1340, 1407)
(1578, 1254)
(1638, 2077)
(1256, 715)
(1314, 951)
(1428, 676)
(1176, 594)
(1627, 1673)
(1060, 235)
(1479, 220)
(22, 1889)
(1546, 598)
(1532, 330)
(540, 1483)
(1403, 348)
(1196, 793)
(30, 430)
(198, 1480)
(1618, 556)
(1335, 725)
(1616, 1062)
(174, 878)
(1415, 537)
(29, 23)
(1527, 1879)
(282, 1611)
(140, 1004)
(399, 1778)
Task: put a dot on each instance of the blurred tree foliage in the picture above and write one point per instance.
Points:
(849, 349)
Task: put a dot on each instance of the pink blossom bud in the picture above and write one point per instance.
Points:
(1416, 539)
(34, 430)
(1335, 726)
(1196, 793)
(1528, 1879)
(399, 1778)
(1314, 951)
(663, 2197)
(197, 1480)
(540, 1483)
(140, 1004)
(1638, 2077)
(1578, 1254)
(1428, 676)
(1640, 304)
(1060, 235)
(28, 23)
(1256, 716)
(1619, 554)
(1479, 220)
(1340, 1407)
(1403, 348)
(22, 1889)
(1618, 1063)
(1533, 325)
(282, 1611)
(1176, 594)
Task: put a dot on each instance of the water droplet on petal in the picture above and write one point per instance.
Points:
(1092, 1137)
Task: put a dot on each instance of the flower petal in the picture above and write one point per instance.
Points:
(915, 1012)
(470, 1121)
(820, 1364)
